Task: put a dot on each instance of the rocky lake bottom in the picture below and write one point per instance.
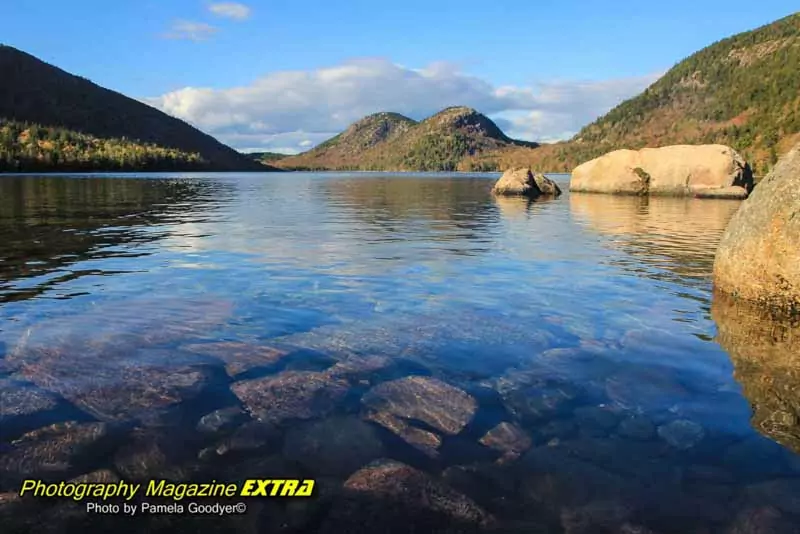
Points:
(437, 359)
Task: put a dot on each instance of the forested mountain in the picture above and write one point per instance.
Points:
(743, 91)
(53, 120)
(390, 141)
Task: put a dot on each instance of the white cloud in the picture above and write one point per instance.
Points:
(231, 10)
(297, 109)
(191, 31)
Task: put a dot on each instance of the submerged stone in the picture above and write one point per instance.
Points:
(441, 406)
(239, 357)
(291, 395)
(23, 406)
(221, 420)
(507, 438)
(249, 437)
(333, 446)
(637, 427)
(681, 434)
(596, 516)
(54, 452)
(388, 496)
(151, 453)
(595, 420)
(423, 440)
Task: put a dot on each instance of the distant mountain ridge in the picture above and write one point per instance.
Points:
(391, 141)
(51, 120)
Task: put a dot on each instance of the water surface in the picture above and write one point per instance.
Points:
(574, 370)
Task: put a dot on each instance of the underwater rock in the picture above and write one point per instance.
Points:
(761, 520)
(356, 367)
(552, 478)
(541, 399)
(682, 433)
(101, 476)
(508, 439)
(22, 406)
(437, 404)
(782, 493)
(423, 440)
(291, 395)
(221, 420)
(644, 389)
(154, 453)
(54, 452)
(249, 437)
(103, 360)
(490, 484)
(595, 420)
(387, 496)
(239, 357)
(596, 516)
(121, 390)
(637, 427)
(335, 446)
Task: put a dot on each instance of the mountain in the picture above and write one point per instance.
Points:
(390, 141)
(741, 91)
(53, 120)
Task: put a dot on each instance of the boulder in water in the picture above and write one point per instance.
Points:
(679, 170)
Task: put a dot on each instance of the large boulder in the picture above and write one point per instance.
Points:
(523, 182)
(681, 170)
(758, 258)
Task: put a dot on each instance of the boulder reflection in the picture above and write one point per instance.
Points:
(765, 351)
(675, 236)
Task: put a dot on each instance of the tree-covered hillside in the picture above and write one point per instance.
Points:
(389, 141)
(743, 91)
(53, 120)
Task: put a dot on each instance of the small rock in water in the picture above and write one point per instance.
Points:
(507, 438)
(221, 420)
(333, 446)
(637, 427)
(291, 395)
(682, 433)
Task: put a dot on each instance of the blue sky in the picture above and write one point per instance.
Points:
(284, 75)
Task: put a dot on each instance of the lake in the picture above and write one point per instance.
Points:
(430, 355)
